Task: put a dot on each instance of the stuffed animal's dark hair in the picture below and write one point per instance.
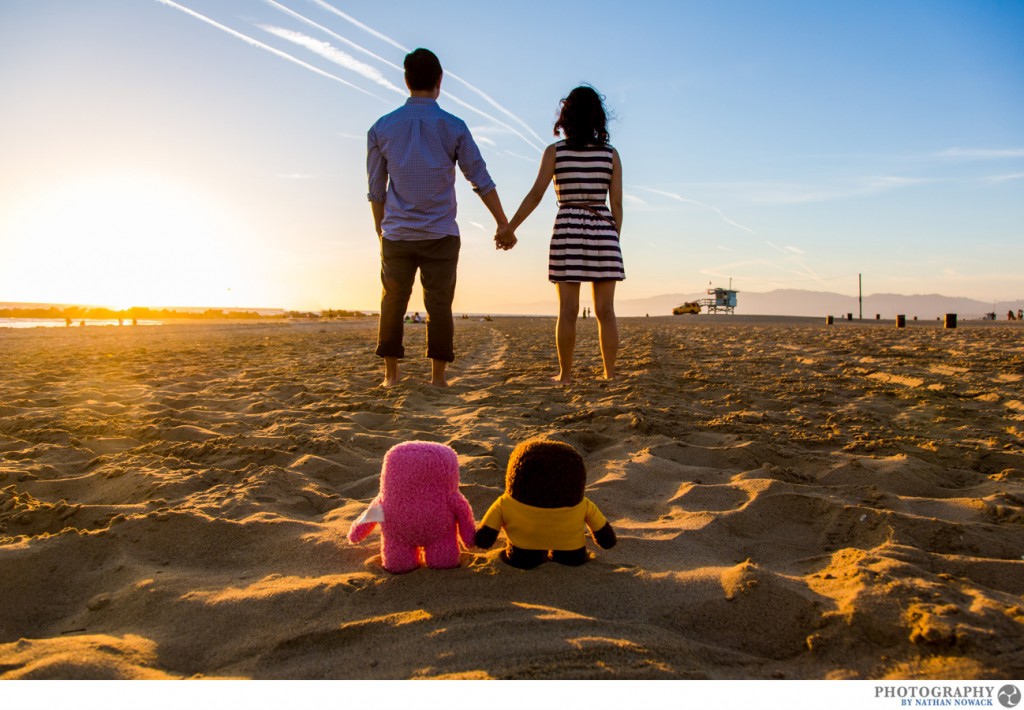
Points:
(546, 474)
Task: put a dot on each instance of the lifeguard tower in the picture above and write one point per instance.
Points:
(724, 300)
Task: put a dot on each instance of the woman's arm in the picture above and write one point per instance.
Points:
(615, 191)
(536, 193)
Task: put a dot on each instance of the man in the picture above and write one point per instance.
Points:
(410, 163)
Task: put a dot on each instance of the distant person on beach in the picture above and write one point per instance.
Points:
(585, 241)
(411, 156)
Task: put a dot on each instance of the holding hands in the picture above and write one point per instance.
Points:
(505, 238)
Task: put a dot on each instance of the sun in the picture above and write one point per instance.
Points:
(120, 240)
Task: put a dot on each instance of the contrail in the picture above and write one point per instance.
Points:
(309, 43)
(379, 35)
(803, 269)
(345, 40)
(680, 198)
(260, 45)
(333, 54)
(451, 97)
(360, 25)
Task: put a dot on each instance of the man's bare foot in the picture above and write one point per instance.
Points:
(438, 373)
(391, 374)
(562, 380)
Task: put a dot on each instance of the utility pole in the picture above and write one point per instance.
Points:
(860, 296)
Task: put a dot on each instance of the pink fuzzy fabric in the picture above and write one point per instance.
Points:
(423, 508)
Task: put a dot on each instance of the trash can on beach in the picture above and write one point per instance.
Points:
(950, 320)
(901, 321)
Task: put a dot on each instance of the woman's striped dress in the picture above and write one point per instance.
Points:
(585, 243)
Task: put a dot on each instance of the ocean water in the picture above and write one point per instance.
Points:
(61, 323)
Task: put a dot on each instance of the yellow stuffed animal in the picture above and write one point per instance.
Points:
(543, 510)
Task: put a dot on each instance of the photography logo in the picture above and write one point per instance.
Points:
(1009, 696)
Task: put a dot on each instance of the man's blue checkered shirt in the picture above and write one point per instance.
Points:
(410, 165)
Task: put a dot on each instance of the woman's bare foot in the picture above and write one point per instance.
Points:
(562, 380)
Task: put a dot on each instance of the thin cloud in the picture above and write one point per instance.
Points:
(799, 194)
(888, 182)
(981, 153)
(332, 54)
(995, 179)
(680, 198)
(754, 269)
(519, 156)
(780, 266)
(267, 48)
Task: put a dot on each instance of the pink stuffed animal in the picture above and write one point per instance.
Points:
(419, 506)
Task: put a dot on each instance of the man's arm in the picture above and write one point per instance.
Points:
(493, 203)
(378, 217)
(475, 170)
(504, 238)
(377, 180)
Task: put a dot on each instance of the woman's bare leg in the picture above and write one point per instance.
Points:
(565, 329)
(607, 326)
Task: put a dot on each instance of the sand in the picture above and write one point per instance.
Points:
(792, 500)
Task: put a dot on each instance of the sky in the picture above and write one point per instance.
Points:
(212, 152)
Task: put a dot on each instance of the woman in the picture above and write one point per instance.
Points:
(585, 240)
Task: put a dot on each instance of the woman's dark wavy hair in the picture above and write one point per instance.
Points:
(582, 118)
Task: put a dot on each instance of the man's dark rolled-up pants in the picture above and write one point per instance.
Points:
(436, 260)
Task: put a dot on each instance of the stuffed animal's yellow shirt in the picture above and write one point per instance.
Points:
(532, 528)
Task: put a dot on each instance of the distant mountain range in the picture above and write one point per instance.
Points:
(794, 302)
(781, 302)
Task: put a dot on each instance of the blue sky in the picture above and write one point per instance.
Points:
(212, 152)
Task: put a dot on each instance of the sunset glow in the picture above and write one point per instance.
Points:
(121, 240)
(199, 152)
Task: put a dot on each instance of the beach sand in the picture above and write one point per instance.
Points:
(792, 500)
